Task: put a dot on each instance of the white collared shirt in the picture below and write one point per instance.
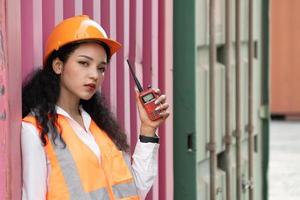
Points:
(36, 165)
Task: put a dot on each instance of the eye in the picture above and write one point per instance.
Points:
(84, 63)
(101, 69)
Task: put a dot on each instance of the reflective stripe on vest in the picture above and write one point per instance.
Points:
(71, 176)
(123, 190)
(78, 171)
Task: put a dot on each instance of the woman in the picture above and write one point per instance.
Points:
(72, 147)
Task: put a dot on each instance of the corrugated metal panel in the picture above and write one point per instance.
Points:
(10, 100)
(145, 30)
(3, 103)
(193, 101)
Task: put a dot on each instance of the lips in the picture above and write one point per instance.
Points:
(91, 86)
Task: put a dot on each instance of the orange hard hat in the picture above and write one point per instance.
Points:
(78, 28)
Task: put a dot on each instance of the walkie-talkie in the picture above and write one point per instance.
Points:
(147, 97)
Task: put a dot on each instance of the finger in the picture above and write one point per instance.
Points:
(162, 107)
(157, 90)
(161, 99)
(165, 114)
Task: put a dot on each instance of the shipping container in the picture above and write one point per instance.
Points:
(10, 99)
(285, 59)
(220, 99)
(144, 28)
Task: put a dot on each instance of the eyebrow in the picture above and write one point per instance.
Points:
(89, 58)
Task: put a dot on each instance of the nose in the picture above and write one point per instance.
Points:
(93, 73)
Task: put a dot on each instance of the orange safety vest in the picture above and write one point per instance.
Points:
(76, 172)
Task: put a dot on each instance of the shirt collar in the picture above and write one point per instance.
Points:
(85, 116)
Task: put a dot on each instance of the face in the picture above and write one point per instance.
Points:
(83, 72)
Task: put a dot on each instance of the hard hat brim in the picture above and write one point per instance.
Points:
(113, 45)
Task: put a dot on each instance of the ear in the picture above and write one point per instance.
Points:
(57, 65)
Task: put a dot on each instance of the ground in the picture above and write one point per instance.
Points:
(284, 166)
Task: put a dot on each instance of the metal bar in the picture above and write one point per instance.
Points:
(265, 86)
(4, 177)
(13, 104)
(165, 83)
(250, 101)
(27, 37)
(132, 58)
(105, 23)
(184, 18)
(238, 101)
(120, 76)
(212, 60)
(228, 91)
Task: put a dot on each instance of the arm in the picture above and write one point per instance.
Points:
(144, 166)
(34, 164)
(145, 156)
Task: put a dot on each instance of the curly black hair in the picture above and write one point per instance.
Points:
(40, 94)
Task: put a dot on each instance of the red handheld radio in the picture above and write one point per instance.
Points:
(147, 98)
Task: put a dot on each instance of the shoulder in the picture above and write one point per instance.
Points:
(30, 125)
(30, 136)
(30, 117)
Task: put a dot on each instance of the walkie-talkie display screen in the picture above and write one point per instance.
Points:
(148, 97)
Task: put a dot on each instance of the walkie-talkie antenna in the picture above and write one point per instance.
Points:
(135, 79)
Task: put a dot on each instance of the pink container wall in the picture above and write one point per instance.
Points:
(145, 30)
(10, 99)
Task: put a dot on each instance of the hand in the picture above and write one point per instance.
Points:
(148, 127)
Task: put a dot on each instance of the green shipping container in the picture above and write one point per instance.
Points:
(192, 99)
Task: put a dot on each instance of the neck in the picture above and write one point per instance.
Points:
(69, 104)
